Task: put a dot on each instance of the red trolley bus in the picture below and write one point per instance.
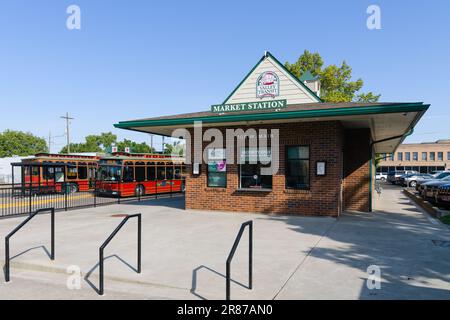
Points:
(47, 173)
(124, 175)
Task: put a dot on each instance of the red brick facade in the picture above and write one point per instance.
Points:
(357, 156)
(326, 142)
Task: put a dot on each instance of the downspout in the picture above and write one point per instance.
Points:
(410, 132)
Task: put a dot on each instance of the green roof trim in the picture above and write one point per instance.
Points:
(266, 55)
(316, 113)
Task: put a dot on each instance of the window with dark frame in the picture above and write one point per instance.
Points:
(251, 169)
(151, 171)
(128, 172)
(297, 167)
(216, 172)
(161, 171)
(407, 156)
(424, 156)
(139, 171)
(432, 156)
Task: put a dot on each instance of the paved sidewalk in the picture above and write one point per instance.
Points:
(184, 254)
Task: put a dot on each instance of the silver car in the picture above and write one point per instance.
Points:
(411, 179)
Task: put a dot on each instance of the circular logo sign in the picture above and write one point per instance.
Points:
(268, 85)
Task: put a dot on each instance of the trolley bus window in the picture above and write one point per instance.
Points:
(82, 170)
(140, 171)
(109, 173)
(151, 171)
(169, 171)
(177, 174)
(48, 173)
(161, 171)
(71, 171)
(128, 172)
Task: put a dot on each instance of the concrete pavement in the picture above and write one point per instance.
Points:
(184, 254)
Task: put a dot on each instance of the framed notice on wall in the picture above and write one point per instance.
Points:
(321, 168)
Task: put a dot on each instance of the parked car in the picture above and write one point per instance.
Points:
(443, 195)
(393, 176)
(410, 180)
(381, 176)
(429, 189)
(437, 176)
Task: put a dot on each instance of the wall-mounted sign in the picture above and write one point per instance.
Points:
(254, 155)
(249, 106)
(321, 168)
(268, 85)
(216, 154)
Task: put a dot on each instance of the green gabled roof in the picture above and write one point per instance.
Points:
(308, 76)
(266, 55)
(299, 111)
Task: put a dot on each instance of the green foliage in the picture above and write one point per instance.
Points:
(18, 143)
(175, 149)
(445, 219)
(135, 147)
(307, 61)
(368, 97)
(103, 141)
(336, 81)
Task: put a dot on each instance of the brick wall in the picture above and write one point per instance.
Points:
(356, 192)
(326, 142)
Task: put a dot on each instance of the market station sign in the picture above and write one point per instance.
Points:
(249, 106)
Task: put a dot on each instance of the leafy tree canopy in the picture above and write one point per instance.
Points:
(175, 149)
(336, 81)
(18, 143)
(102, 143)
(135, 147)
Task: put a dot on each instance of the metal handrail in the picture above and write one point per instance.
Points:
(52, 253)
(250, 257)
(102, 247)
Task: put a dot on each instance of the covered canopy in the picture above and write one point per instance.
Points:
(389, 123)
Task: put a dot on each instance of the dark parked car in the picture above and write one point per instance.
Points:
(394, 176)
(437, 176)
(443, 196)
(429, 189)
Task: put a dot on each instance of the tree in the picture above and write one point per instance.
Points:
(175, 149)
(102, 143)
(336, 84)
(134, 146)
(18, 143)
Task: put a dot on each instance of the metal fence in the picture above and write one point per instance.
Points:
(19, 199)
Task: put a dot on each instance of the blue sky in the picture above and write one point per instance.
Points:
(135, 59)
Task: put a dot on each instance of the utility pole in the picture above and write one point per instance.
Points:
(67, 118)
(49, 141)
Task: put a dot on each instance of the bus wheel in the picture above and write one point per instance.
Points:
(139, 191)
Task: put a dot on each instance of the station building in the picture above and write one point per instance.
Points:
(326, 150)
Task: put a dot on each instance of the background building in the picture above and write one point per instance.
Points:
(424, 157)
